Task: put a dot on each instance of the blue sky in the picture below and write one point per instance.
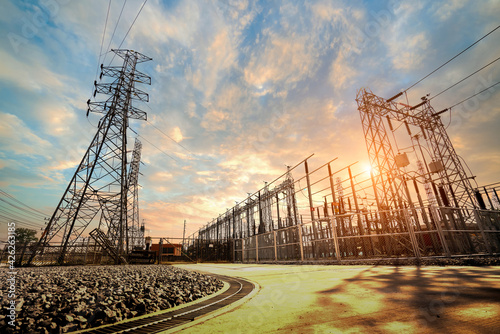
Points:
(244, 87)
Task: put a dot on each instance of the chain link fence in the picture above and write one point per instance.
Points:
(403, 233)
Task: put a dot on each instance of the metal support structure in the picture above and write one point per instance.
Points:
(100, 180)
(267, 217)
(135, 234)
(257, 248)
(231, 224)
(275, 246)
(184, 235)
(101, 238)
(374, 111)
(355, 230)
(335, 240)
(301, 242)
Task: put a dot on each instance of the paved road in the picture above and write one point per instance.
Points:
(366, 299)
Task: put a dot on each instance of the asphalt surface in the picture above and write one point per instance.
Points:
(358, 299)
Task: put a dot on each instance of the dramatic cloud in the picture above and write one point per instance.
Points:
(16, 138)
(240, 90)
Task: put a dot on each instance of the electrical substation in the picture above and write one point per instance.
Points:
(325, 245)
(416, 201)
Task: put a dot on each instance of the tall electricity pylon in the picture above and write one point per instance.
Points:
(135, 233)
(100, 181)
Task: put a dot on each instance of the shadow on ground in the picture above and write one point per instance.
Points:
(410, 299)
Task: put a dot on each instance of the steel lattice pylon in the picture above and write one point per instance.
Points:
(388, 180)
(135, 233)
(100, 181)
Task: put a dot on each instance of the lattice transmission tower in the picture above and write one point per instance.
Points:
(100, 183)
(454, 187)
(135, 230)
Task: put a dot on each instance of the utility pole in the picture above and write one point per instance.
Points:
(184, 234)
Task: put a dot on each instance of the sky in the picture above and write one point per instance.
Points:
(240, 90)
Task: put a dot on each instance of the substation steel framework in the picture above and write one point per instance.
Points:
(389, 181)
(100, 181)
(334, 220)
(239, 221)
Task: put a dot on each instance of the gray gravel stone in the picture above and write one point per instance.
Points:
(66, 299)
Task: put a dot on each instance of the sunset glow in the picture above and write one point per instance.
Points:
(240, 90)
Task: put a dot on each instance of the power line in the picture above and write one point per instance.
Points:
(168, 155)
(24, 216)
(22, 224)
(114, 30)
(467, 48)
(23, 213)
(467, 77)
(8, 219)
(19, 202)
(33, 212)
(19, 208)
(102, 41)
(140, 10)
(470, 97)
(470, 171)
(168, 136)
(12, 215)
(123, 40)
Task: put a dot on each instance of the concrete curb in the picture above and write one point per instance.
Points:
(223, 310)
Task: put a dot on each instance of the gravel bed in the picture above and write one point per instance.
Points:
(66, 299)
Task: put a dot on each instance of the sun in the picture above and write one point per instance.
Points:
(367, 168)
